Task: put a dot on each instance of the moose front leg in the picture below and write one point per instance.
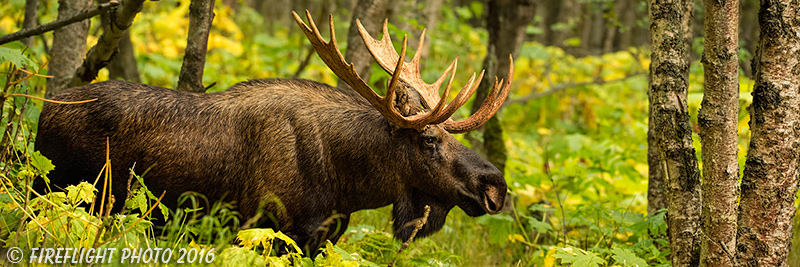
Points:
(330, 228)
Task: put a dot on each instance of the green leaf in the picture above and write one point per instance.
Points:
(138, 201)
(500, 227)
(16, 57)
(5, 198)
(82, 192)
(539, 226)
(581, 258)
(627, 258)
(41, 163)
(238, 256)
(574, 42)
(253, 237)
(164, 210)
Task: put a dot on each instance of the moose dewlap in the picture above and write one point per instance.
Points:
(295, 149)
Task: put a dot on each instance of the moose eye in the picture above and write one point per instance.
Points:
(429, 140)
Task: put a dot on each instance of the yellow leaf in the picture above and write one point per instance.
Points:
(543, 131)
(549, 260)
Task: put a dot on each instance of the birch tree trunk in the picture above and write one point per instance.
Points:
(718, 120)
(672, 129)
(769, 184)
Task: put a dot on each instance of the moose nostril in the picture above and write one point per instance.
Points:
(490, 205)
(493, 199)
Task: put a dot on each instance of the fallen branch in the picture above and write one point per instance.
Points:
(85, 14)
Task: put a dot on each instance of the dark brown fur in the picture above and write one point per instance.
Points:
(317, 149)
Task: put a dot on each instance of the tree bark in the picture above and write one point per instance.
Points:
(656, 183)
(769, 184)
(506, 22)
(106, 47)
(718, 119)
(550, 14)
(569, 12)
(372, 14)
(123, 65)
(672, 129)
(201, 14)
(31, 17)
(69, 46)
(627, 20)
(431, 13)
(657, 198)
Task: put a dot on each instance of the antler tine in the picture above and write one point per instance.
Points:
(462, 97)
(386, 56)
(490, 105)
(330, 54)
(396, 75)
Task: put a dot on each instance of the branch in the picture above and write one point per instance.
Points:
(100, 54)
(85, 14)
(418, 224)
(564, 86)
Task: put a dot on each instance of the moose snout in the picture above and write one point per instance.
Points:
(494, 198)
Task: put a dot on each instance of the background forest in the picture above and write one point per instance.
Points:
(573, 132)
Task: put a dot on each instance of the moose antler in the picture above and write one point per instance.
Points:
(329, 52)
(388, 58)
(383, 52)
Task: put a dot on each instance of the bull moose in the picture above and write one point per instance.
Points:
(317, 149)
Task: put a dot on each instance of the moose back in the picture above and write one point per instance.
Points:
(298, 150)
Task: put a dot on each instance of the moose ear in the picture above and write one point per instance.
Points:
(407, 100)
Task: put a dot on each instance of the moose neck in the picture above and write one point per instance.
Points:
(371, 169)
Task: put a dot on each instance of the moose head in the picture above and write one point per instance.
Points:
(444, 173)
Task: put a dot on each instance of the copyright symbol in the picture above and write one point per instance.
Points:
(14, 255)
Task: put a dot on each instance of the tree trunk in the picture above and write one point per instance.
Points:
(201, 14)
(431, 13)
(749, 33)
(100, 54)
(506, 22)
(718, 119)
(769, 184)
(627, 20)
(569, 13)
(372, 14)
(69, 47)
(656, 183)
(31, 17)
(672, 130)
(123, 65)
(550, 14)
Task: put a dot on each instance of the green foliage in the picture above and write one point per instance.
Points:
(581, 258)
(627, 258)
(16, 57)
